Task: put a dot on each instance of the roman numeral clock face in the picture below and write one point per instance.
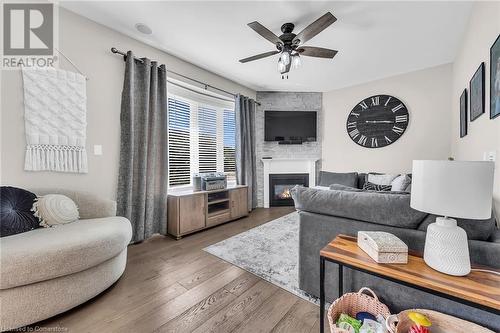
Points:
(377, 121)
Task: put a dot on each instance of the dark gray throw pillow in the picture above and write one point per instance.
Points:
(375, 187)
(15, 211)
(347, 179)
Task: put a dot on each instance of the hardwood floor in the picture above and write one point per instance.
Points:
(174, 286)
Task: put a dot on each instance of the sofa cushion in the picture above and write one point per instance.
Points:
(339, 187)
(376, 187)
(54, 209)
(328, 178)
(90, 206)
(401, 183)
(380, 178)
(15, 211)
(389, 209)
(47, 253)
(475, 229)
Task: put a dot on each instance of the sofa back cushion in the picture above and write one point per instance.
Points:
(347, 179)
(90, 206)
(381, 208)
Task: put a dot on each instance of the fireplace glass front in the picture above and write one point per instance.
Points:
(280, 186)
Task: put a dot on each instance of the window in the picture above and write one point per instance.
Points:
(229, 142)
(201, 138)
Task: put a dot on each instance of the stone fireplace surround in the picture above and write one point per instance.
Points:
(284, 101)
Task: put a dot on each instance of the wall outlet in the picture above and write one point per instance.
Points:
(97, 150)
(490, 156)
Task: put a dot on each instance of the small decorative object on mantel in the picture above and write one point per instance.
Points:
(383, 247)
(495, 79)
(55, 114)
(463, 114)
(476, 87)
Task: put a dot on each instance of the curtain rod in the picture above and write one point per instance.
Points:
(199, 92)
(206, 85)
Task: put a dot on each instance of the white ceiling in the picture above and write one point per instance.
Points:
(374, 39)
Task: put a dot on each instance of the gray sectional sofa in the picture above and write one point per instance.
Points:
(327, 213)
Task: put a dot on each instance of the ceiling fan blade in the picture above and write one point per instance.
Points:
(315, 28)
(318, 52)
(265, 32)
(259, 56)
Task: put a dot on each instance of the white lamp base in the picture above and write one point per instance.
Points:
(446, 248)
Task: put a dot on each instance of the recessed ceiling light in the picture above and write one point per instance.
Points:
(142, 28)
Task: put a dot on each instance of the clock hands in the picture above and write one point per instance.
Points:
(378, 122)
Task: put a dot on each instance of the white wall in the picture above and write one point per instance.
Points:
(484, 133)
(88, 45)
(426, 94)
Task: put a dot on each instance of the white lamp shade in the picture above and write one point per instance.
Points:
(461, 189)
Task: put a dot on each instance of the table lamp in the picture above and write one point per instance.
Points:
(461, 189)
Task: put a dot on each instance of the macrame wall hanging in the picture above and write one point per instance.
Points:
(55, 116)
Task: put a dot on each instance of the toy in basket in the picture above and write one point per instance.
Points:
(353, 305)
(404, 322)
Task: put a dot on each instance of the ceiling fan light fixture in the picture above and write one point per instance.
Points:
(285, 58)
(281, 66)
(296, 61)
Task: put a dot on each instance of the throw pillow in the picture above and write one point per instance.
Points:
(347, 179)
(380, 179)
(15, 211)
(376, 187)
(400, 183)
(54, 209)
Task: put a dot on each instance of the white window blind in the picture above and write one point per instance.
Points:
(207, 139)
(179, 142)
(201, 139)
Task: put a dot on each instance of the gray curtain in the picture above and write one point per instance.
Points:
(245, 146)
(143, 173)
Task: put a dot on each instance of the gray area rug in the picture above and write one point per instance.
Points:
(270, 251)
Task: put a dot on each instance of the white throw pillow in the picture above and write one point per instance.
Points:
(54, 209)
(384, 179)
(400, 183)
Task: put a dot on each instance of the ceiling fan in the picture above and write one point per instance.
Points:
(290, 45)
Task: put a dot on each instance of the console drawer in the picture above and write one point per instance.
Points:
(218, 219)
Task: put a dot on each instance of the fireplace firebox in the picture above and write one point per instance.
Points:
(280, 186)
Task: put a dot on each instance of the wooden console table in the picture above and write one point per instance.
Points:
(477, 289)
(190, 211)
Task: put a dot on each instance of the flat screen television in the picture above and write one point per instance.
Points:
(297, 126)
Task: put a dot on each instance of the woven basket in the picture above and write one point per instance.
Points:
(352, 303)
(441, 322)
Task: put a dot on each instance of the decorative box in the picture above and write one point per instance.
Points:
(383, 247)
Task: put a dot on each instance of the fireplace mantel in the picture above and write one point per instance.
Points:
(287, 165)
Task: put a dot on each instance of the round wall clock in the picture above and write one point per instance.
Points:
(377, 121)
